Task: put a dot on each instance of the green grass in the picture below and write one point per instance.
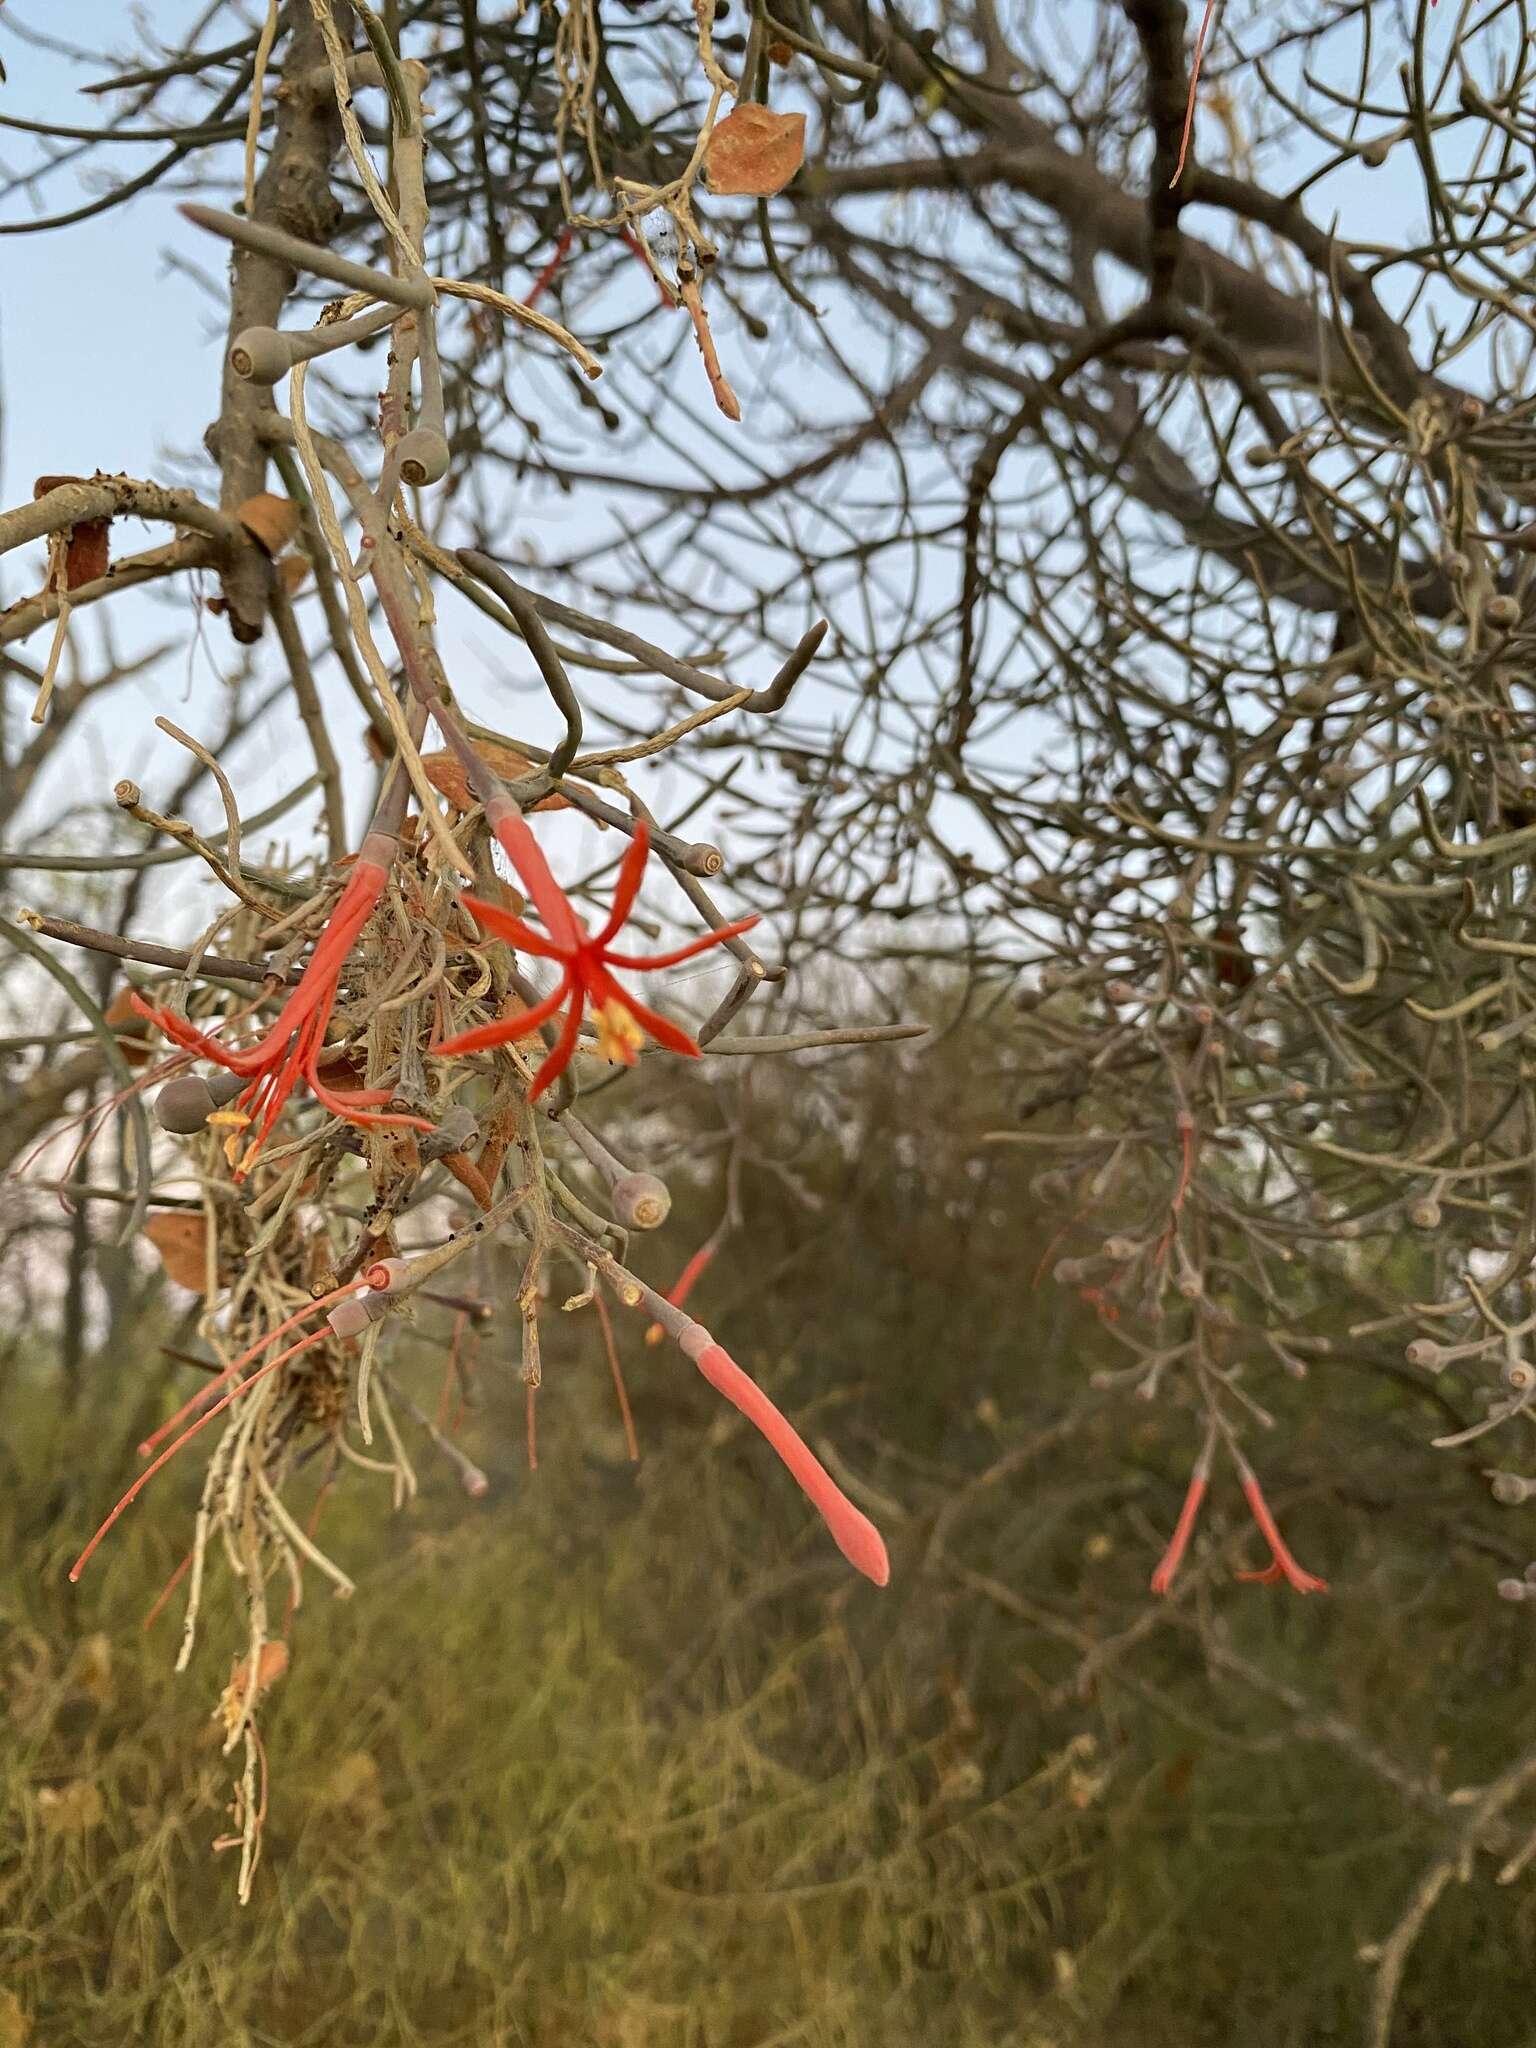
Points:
(613, 1761)
(626, 1759)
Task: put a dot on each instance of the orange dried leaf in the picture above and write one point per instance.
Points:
(135, 1034)
(270, 521)
(754, 151)
(270, 1667)
(180, 1236)
(338, 1069)
(86, 547)
(447, 777)
(293, 574)
(89, 552)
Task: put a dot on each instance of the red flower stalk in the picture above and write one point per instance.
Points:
(1168, 1564)
(371, 1279)
(202, 1422)
(1194, 87)
(631, 1441)
(682, 1287)
(623, 1023)
(1282, 1565)
(290, 1050)
(546, 276)
(854, 1533)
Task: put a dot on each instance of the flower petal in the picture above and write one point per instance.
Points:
(505, 926)
(560, 1058)
(672, 1036)
(190, 1039)
(1284, 1564)
(645, 962)
(527, 856)
(627, 887)
(504, 1029)
(353, 1105)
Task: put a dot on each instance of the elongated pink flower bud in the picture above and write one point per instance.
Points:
(852, 1531)
(1178, 1542)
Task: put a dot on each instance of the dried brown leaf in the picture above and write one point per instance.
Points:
(89, 553)
(180, 1236)
(87, 548)
(270, 521)
(754, 151)
(270, 1667)
(135, 1034)
(447, 777)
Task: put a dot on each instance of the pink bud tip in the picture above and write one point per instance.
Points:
(853, 1532)
(864, 1547)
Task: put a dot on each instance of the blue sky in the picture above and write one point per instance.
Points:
(119, 388)
(130, 388)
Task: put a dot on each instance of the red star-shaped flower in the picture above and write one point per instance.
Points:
(623, 1023)
(290, 1051)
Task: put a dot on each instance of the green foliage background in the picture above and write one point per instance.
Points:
(624, 1756)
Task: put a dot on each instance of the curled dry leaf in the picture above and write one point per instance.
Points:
(340, 1069)
(754, 151)
(87, 548)
(180, 1236)
(271, 521)
(447, 776)
(293, 574)
(270, 1667)
(135, 1034)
